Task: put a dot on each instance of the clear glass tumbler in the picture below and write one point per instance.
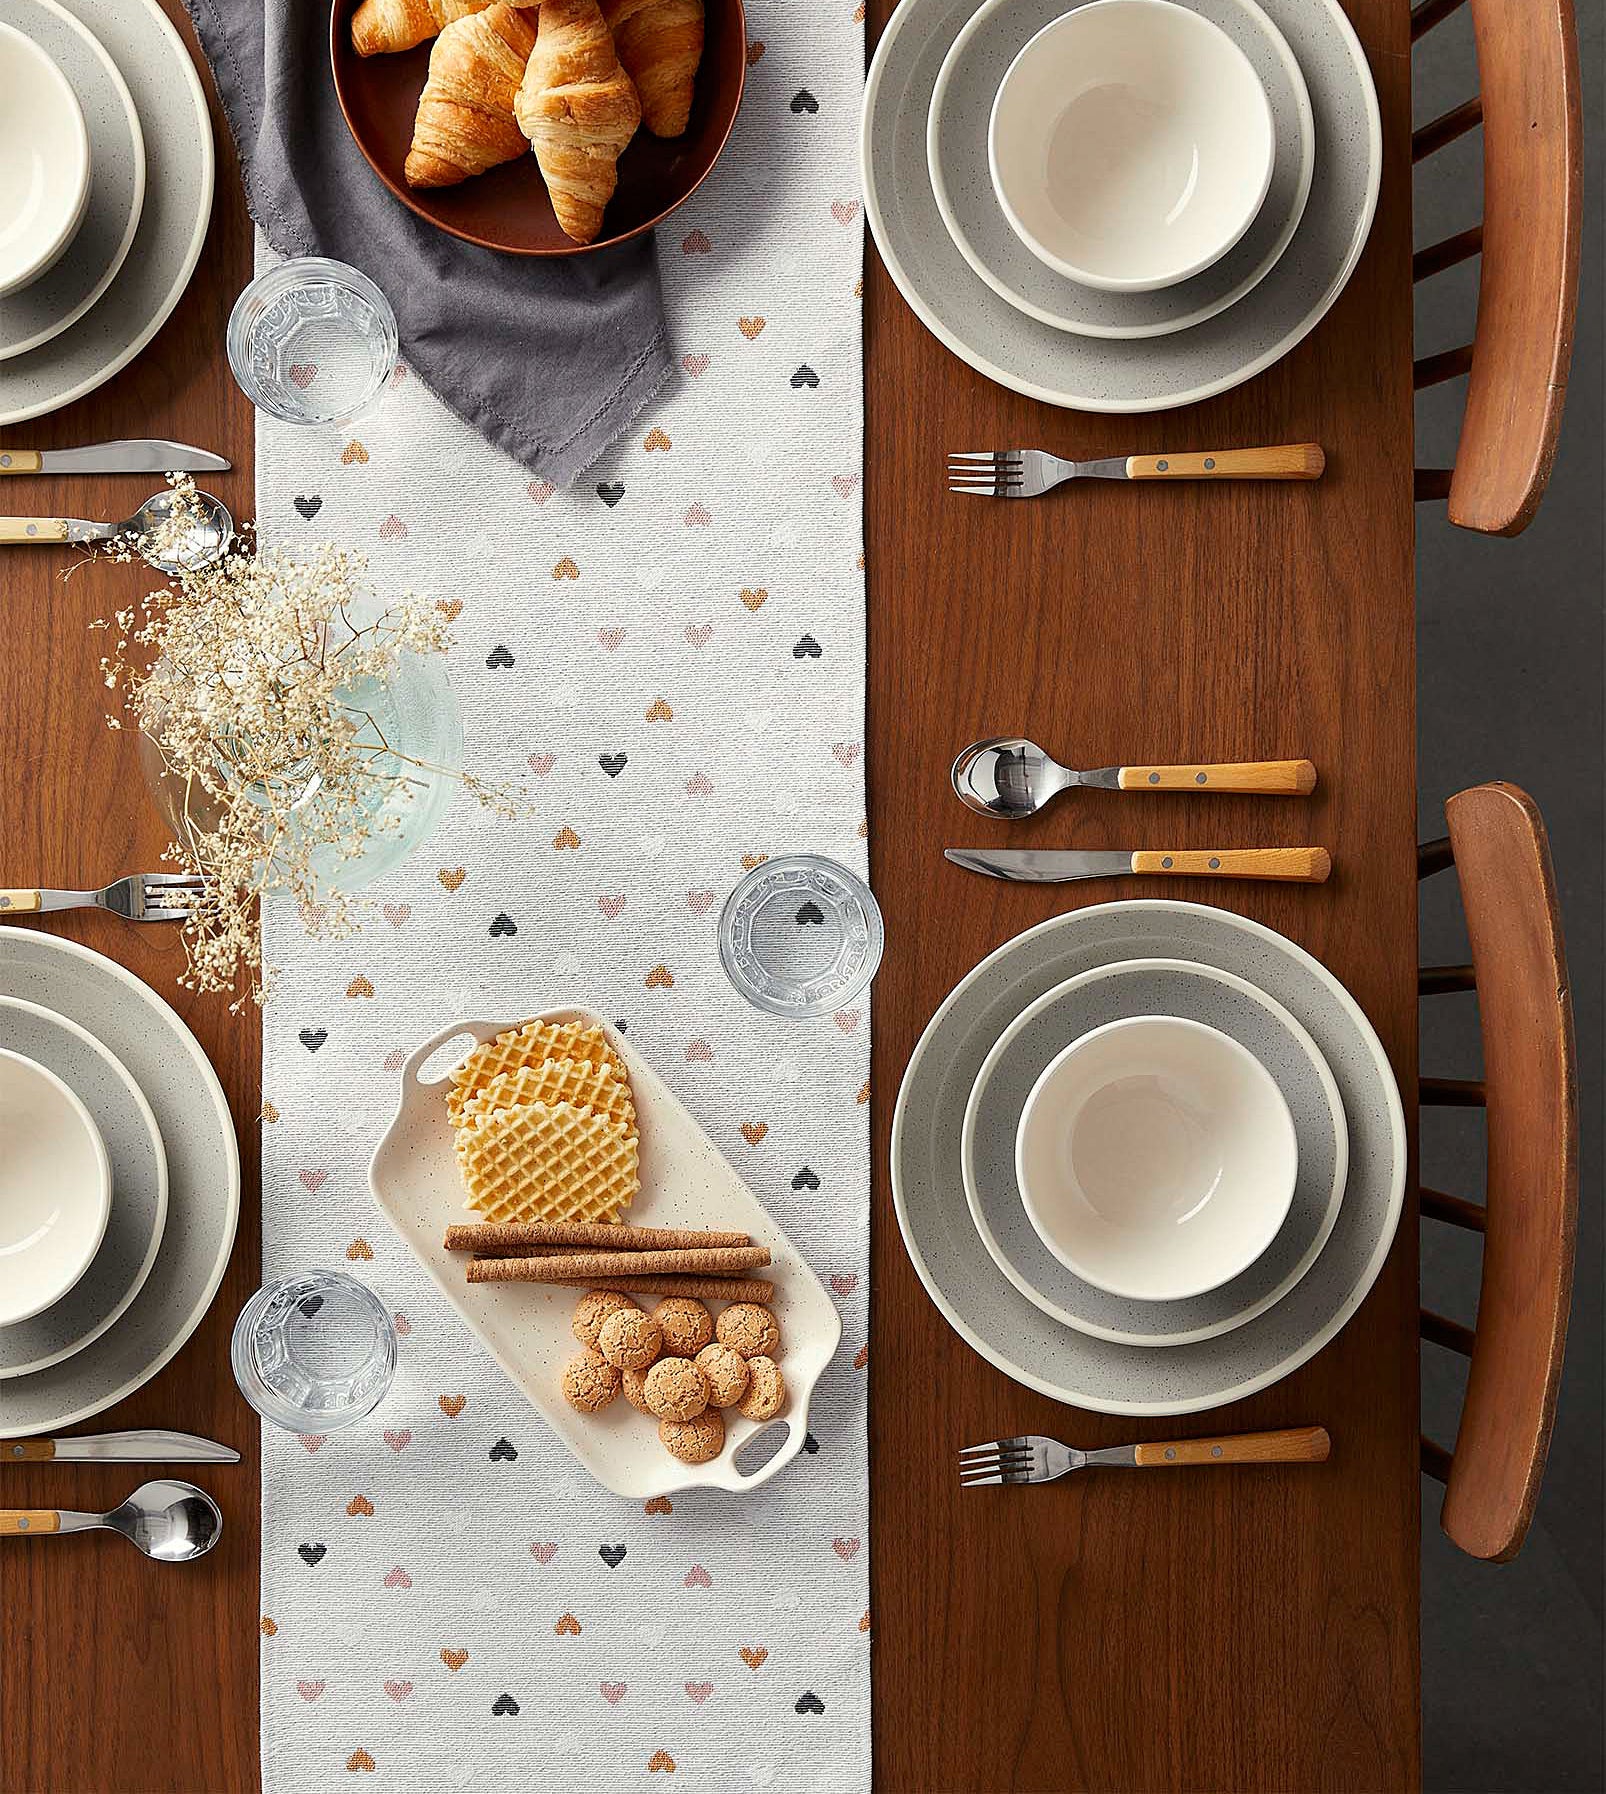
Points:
(315, 1352)
(800, 936)
(312, 341)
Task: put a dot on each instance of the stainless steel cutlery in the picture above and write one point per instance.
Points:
(141, 897)
(1031, 1458)
(151, 1445)
(1029, 473)
(1006, 775)
(146, 454)
(172, 1522)
(207, 538)
(1035, 865)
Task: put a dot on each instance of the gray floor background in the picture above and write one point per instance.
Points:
(1510, 686)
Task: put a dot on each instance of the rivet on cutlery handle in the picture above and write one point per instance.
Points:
(21, 1520)
(1254, 778)
(33, 529)
(1293, 461)
(20, 460)
(1300, 865)
(1294, 1445)
(29, 1451)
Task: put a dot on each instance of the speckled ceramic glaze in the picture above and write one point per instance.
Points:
(1099, 374)
(986, 1308)
(956, 148)
(179, 167)
(192, 1117)
(45, 307)
(685, 1182)
(139, 1188)
(1112, 993)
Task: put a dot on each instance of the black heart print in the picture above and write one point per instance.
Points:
(498, 657)
(810, 1444)
(806, 1180)
(810, 913)
(806, 649)
(309, 507)
(613, 764)
(805, 376)
(611, 1555)
(502, 1453)
(610, 492)
(313, 1038)
(808, 1702)
(311, 1555)
(504, 1705)
(804, 101)
(502, 924)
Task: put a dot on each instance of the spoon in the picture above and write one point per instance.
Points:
(172, 1522)
(210, 531)
(1009, 776)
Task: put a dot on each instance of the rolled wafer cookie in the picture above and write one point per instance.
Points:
(712, 1261)
(706, 1289)
(500, 1238)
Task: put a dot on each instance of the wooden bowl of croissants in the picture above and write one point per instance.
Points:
(540, 127)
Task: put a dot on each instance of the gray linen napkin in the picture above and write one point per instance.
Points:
(550, 361)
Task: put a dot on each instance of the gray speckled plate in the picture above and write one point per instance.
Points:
(179, 171)
(986, 1309)
(139, 1187)
(203, 1166)
(1096, 373)
(956, 150)
(1106, 994)
(45, 307)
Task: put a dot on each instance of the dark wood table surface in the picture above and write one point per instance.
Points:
(1238, 1630)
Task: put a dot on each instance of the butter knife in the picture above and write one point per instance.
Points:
(1030, 865)
(150, 1446)
(142, 455)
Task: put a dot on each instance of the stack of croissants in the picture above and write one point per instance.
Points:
(569, 79)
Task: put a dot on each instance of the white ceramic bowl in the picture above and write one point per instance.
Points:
(44, 161)
(1156, 1157)
(1130, 144)
(55, 1188)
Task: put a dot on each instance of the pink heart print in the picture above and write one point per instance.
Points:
(309, 1691)
(398, 1691)
(699, 1691)
(542, 764)
(699, 1052)
(312, 1440)
(540, 490)
(695, 365)
(395, 1059)
(699, 902)
(399, 1441)
(392, 529)
(844, 1285)
(612, 1692)
(303, 373)
(845, 483)
(544, 1554)
(846, 1549)
(846, 1019)
(313, 1181)
(403, 1325)
(699, 634)
(846, 752)
(397, 913)
(699, 784)
(398, 1578)
(844, 211)
(698, 1577)
(699, 516)
(611, 637)
(611, 907)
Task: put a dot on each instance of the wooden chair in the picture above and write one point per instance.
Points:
(1529, 1091)
(1516, 365)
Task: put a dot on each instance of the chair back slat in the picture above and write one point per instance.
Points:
(1528, 288)
(1508, 893)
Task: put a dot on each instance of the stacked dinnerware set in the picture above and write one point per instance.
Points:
(1120, 205)
(106, 176)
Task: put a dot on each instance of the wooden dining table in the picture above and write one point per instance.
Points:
(1201, 1630)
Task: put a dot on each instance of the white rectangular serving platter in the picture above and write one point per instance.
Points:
(685, 1182)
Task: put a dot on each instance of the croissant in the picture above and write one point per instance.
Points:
(465, 121)
(579, 109)
(660, 42)
(379, 25)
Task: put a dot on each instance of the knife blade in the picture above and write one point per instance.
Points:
(136, 455)
(1033, 865)
(148, 1446)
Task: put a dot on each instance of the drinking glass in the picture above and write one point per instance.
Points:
(312, 341)
(800, 936)
(315, 1352)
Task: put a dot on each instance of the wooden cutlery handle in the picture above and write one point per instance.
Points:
(1295, 1445)
(20, 902)
(33, 529)
(1302, 865)
(1255, 778)
(23, 1520)
(28, 1451)
(1294, 461)
(20, 460)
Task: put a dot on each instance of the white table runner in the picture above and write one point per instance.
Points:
(670, 657)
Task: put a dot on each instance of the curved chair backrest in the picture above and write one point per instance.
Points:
(1518, 361)
(1529, 1089)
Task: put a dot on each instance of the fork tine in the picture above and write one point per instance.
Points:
(984, 456)
(993, 1446)
(181, 881)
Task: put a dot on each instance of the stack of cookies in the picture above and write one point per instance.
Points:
(545, 1128)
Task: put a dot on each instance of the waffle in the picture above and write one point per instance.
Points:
(577, 1081)
(549, 1163)
(528, 1045)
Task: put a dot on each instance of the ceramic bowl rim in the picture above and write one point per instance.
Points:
(71, 114)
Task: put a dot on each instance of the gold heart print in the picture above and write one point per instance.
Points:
(656, 441)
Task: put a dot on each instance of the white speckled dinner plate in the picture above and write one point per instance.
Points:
(1095, 373)
(981, 1303)
(203, 1167)
(956, 151)
(139, 1187)
(179, 172)
(1111, 993)
(45, 307)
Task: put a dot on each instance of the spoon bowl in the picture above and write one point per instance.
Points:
(171, 1522)
(210, 531)
(1009, 776)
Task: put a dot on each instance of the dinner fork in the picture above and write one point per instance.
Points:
(141, 897)
(1030, 1458)
(1029, 473)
